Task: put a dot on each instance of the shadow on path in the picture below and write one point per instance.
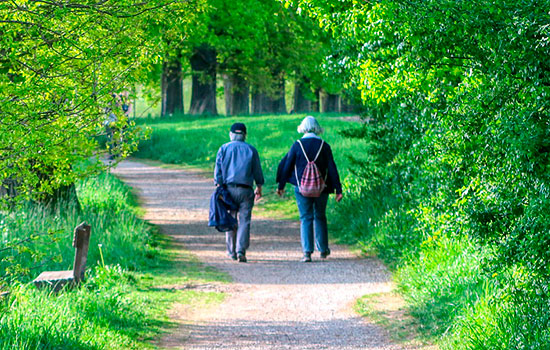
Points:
(274, 301)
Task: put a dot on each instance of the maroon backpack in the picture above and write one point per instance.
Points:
(312, 183)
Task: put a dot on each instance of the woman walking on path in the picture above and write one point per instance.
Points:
(310, 167)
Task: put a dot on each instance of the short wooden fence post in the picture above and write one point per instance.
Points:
(57, 279)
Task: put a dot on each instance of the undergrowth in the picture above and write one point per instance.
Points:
(120, 304)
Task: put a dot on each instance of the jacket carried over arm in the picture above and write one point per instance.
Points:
(221, 205)
(295, 158)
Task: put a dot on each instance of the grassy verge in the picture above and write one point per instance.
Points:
(123, 302)
(389, 311)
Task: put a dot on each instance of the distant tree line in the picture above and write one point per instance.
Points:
(64, 66)
(255, 47)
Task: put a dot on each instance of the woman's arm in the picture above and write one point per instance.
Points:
(333, 173)
(287, 169)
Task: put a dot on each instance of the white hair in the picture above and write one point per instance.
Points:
(236, 137)
(310, 125)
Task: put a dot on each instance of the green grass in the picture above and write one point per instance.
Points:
(122, 304)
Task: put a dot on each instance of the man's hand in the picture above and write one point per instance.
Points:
(258, 192)
(280, 193)
(339, 197)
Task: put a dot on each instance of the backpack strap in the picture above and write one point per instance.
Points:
(296, 168)
(319, 151)
(303, 150)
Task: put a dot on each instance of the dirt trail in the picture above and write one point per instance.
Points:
(274, 301)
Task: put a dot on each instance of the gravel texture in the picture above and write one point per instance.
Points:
(274, 301)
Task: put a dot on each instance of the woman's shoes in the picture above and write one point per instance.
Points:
(307, 256)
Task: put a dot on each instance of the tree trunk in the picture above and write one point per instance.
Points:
(279, 102)
(8, 189)
(237, 93)
(203, 93)
(301, 104)
(331, 103)
(262, 103)
(346, 106)
(315, 104)
(172, 88)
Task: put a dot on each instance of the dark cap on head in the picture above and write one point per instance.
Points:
(238, 128)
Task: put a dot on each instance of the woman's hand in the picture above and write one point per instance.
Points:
(258, 193)
(338, 197)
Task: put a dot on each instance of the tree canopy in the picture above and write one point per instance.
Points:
(60, 65)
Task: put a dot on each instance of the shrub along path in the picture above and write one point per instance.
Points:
(274, 301)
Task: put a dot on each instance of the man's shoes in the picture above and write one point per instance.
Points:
(325, 254)
(241, 258)
(232, 256)
(306, 258)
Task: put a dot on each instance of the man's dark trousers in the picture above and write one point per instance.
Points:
(239, 240)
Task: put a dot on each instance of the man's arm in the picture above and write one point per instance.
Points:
(257, 169)
(218, 174)
(258, 174)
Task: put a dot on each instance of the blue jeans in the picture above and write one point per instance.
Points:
(313, 216)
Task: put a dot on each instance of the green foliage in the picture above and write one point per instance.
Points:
(99, 314)
(112, 309)
(445, 279)
(260, 42)
(60, 64)
(501, 322)
(460, 89)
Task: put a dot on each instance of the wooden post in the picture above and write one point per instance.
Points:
(81, 242)
(57, 279)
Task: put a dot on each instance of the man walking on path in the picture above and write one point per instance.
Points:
(238, 167)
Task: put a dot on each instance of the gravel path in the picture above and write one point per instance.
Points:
(274, 302)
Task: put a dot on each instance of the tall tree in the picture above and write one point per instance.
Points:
(237, 95)
(203, 70)
(330, 103)
(257, 44)
(60, 63)
(172, 87)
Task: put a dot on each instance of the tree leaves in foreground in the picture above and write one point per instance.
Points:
(60, 64)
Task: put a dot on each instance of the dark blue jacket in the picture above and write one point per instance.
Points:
(295, 157)
(220, 205)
